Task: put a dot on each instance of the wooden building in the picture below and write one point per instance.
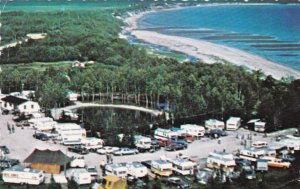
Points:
(47, 160)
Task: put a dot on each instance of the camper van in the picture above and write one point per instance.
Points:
(137, 170)
(80, 176)
(92, 143)
(165, 134)
(214, 124)
(221, 160)
(194, 130)
(142, 143)
(183, 166)
(120, 170)
(161, 167)
(20, 175)
(233, 123)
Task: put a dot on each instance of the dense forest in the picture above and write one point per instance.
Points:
(130, 72)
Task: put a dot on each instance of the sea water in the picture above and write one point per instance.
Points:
(270, 31)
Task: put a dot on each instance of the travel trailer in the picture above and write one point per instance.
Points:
(251, 154)
(183, 166)
(233, 123)
(45, 125)
(20, 175)
(137, 170)
(77, 162)
(194, 130)
(260, 126)
(80, 176)
(214, 124)
(221, 160)
(119, 170)
(92, 143)
(70, 133)
(161, 167)
(33, 121)
(165, 134)
(142, 143)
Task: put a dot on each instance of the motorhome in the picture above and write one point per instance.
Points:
(119, 170)
(252, 154)
(259, 144)
(20, 175)
(260, 126)
(142, 143)
(221, 160)
(214, 124)
(194, 130)
(276, 162)
(233, 123)
(161, 167)
(70, 133)
(137, 170)
(183, 166)
(92, 143)
(80, 176)
(165, 134)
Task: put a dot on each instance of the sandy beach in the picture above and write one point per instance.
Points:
(208, 52)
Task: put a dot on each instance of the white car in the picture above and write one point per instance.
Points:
(125, 151)
(107, 150)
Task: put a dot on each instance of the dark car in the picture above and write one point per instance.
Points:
(4, 149)
(176, 182)
(41, 136)
(78, 149)
(175, 146)
(241, 161)
(5, 112)
(287, 157)
(216, 133)
(7, 162)
(180, 141)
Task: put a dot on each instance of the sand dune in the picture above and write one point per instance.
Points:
(209, 52)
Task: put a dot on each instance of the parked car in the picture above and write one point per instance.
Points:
(241, 161)
(164, 143)
(78, 149)
(176, 182)
(287, 157)
(41, 136)
(107, 150)
(4, 149)
(125, 151)
(216, 133)
(23, 123)
(181, 141)
(7, 162)
(175, 146)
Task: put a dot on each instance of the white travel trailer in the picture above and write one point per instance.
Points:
(119, 170)
(165, 134)
(92, 143)
(161, 167)
(77, 162)
(214, 124)
(45, 125)
(33, 121)
(260, 126)
(70, 133)
(259, 144)
(252, 154)
(137, 170)
(194, 130)
(183, 166)
(142, 143)
(20, 175)
(233, 123)
(221, 160)
(80, 176)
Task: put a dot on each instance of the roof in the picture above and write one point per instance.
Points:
(14, 100)
(47, 157)
(22, 169)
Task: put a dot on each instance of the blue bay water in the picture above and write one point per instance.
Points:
(270, 31)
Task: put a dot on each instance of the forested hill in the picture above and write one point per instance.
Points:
(132, 73)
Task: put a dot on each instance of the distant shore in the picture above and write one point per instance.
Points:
(206, 51)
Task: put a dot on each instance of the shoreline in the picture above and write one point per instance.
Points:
(206, 51)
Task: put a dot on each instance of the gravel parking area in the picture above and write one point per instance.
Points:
(21, 144)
